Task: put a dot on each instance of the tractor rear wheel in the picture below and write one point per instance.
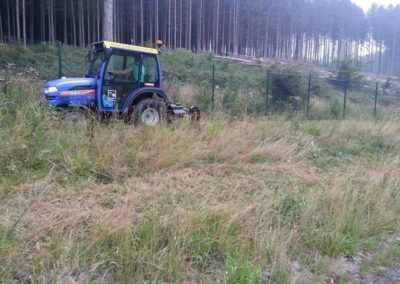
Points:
(149, 112)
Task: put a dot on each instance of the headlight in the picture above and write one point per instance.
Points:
(50, 90)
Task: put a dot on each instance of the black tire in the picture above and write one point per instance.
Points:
(149, 112)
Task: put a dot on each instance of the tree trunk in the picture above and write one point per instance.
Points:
(189, 46)
(17, 20)
(180, 23)
(8, 20)
(31, 23)
(42, 21)
(175, 24)
(89, 17)
(297, 48)
(277, 35)
(98, 20)
(141, 23)
(108, 20)
(23, 22)
(1, 28)
(151, 21)
(380, 58)
(115, 23)
(49, 18)
(199, 25)
(50, 21)
(169, 24)
(65, 23)
(393, 56)
(82, 30)
(223, 31)
(203, 27)
(53, 29)
(236, 27)
(74, 22)
(217, 28)
(133, 39)
(163, 25)
(156, 25)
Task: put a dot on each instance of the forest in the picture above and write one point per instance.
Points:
(318, 31)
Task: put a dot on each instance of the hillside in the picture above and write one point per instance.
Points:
(240, 88)
(251, 199)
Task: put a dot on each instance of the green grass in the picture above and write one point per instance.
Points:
(233, 201)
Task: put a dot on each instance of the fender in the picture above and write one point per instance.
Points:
(138, 92)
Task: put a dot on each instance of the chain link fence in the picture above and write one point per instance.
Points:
(311, 96)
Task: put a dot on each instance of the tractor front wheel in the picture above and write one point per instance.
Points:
(149, 112)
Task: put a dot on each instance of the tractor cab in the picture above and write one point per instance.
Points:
(121, 72)
(121, 78)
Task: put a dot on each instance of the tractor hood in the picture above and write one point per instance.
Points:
(67, 92)
(65, 84)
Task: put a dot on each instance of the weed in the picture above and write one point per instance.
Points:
(239, 270)
(335, 109)
(280, 275)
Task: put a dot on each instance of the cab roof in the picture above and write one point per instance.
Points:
(110, 44)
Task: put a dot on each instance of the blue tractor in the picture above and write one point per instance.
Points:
(122, 80)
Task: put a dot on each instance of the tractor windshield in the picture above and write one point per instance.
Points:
(96, 61)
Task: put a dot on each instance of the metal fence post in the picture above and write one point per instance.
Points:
(376, 99)
(308, 96)
(59, 59)
(267, 92)
(345, 99)
(213, 92)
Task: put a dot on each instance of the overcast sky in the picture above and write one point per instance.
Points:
(366, 4)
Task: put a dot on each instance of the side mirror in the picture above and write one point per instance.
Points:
(90, 56)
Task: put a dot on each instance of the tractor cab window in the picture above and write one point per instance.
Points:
(96, 63)
(124, 68)
(150, 65)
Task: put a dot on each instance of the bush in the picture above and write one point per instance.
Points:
(349, 70)
(335, 109)
(288, 92)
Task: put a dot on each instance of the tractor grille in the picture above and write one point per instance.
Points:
(51, 97)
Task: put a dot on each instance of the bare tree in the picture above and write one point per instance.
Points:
(108, 20)
(8, 19)
(98, 19)
(1, 28)
(50, 18)
(157, 34)
(65, 23)
(18, 20)
(23, 22)
(73, 23)
(141, 23)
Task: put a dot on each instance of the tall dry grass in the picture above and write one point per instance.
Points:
(235, 202)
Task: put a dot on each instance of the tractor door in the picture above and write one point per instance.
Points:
(123, 75)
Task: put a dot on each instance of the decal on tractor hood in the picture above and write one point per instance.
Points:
(78, 93)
